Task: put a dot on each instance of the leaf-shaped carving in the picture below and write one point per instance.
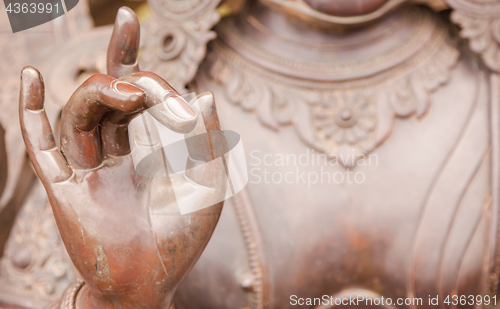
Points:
(480, 23)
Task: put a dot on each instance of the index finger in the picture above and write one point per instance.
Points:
(80, 132)
(48, 162)
(123, 47)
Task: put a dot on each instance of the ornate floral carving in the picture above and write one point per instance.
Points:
(175, 38)
(351, 116)
(480, 23)
(35, 268)
(341, 119)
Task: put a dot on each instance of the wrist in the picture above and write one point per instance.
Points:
(78, 296)
(68, 299)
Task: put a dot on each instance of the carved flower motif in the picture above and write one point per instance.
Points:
(345, 122)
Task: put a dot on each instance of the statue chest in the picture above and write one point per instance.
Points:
(350, 212)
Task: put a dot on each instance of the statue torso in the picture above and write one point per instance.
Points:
(410, 218)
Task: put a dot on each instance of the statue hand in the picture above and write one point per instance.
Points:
(123, 230)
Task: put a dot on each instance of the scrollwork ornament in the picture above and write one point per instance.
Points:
(480, 23)
(175, 38)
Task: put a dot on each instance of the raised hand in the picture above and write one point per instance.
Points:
(123, 229)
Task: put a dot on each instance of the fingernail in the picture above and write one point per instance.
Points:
(180, 108)
(125, 15)
(127, 89)
(32, 86)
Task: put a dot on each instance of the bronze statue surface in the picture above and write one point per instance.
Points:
(382, 93)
